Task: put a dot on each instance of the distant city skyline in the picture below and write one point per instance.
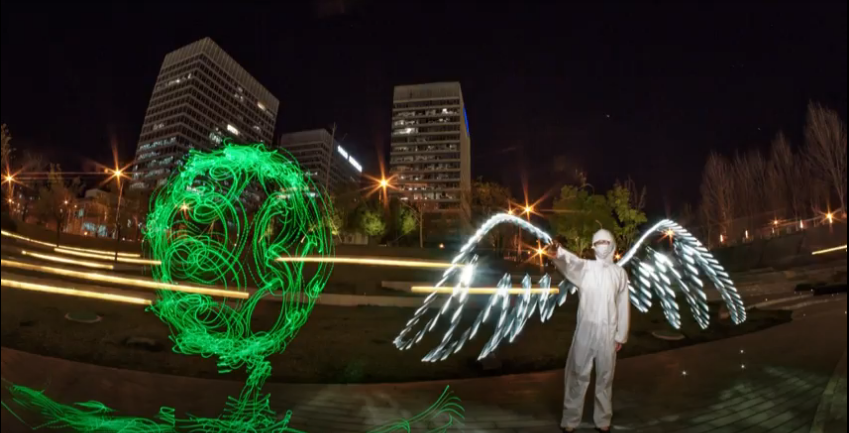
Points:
(645, 91)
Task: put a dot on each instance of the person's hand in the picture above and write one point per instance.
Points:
(618, 347)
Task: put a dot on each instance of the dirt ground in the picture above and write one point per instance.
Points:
(338, 345)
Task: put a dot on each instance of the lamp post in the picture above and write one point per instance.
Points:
(118, 173)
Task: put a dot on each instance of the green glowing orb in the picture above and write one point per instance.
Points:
(224, 219)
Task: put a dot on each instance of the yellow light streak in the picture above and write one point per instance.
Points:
(19, 237)
(484, 290)
(110, 257)
(58, 259)
(53, 245)
(369, 261)
(100, 252)
(112, 279)
(831, 250)
(20, 285)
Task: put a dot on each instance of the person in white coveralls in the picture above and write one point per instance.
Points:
(603, 325)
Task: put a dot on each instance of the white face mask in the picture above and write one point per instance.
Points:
(603, 252)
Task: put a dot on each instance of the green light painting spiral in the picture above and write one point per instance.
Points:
(224, 219)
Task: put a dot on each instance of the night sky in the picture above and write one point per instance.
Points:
(616, 90)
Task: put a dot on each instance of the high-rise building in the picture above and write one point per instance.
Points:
(431, 153)
(201, 97)
(323, 158)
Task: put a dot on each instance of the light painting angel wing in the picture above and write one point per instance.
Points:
(665, 276)
(507, 310)
(507, 313)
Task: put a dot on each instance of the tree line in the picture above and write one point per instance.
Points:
(753, 189)
(39, 192)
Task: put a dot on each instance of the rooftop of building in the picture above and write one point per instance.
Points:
(208, 47)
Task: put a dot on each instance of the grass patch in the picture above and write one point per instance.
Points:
(338, 345)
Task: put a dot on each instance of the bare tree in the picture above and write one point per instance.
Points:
(785, 177)
(750, 173)
(718, 193)
(825, 135)
(5, 147)
(418, 211)
(687, 216)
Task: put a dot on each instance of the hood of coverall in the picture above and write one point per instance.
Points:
(604, 253)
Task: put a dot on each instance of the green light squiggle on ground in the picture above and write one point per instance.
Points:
(223, 220)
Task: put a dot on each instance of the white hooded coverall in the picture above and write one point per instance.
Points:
(603, 322)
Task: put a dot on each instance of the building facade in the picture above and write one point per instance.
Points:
(330, 165)
(201, 97)
(431, 154)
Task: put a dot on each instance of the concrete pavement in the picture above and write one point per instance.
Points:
(779, 380)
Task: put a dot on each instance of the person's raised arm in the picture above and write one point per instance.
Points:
(569, 264)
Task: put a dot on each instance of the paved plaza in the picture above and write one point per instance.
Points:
(788, 379)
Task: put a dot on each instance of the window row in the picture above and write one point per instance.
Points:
(424, 158)
(157, 144)
(429, 177)
(427, 167)
(427, 121)
(431, 103)
(435, 196)
(428, 148)
(425, 139)
(426, 129)
(431, 187)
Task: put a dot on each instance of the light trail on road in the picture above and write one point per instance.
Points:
(100, 252)
(371, 261)
(64, 250)
(20, 285)
(486, 290)
(64, 247)
(145, 284)
(58, 259)
(25, 239)
(831, 250)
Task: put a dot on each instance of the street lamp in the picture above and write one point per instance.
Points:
(118, 174)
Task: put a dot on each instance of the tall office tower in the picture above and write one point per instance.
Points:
(201, 97)
(323, 158)
(431, 155)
